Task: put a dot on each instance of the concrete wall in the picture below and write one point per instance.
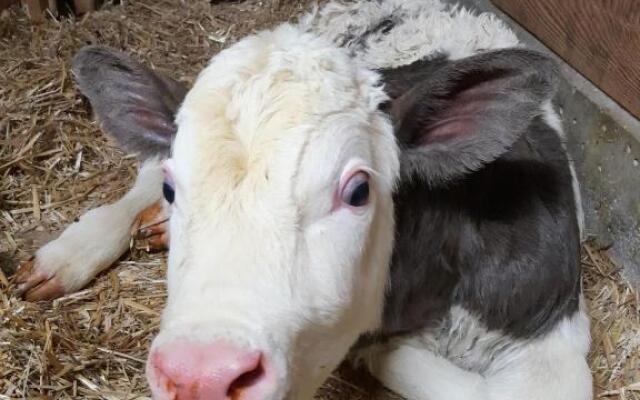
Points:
(604, 141)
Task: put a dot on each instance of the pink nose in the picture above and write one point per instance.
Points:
(215, 371)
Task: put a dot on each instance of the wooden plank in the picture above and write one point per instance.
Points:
(6, 3)
(599, 38)
(53, 7)
(84, 6)
(36, 9)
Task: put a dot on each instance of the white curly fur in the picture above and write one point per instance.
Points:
(421, 28)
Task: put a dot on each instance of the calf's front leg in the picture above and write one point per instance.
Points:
(95, 242)
(552, 366)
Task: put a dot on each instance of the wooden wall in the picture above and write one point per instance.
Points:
(599, 38)
(37, 9)
(6, 3)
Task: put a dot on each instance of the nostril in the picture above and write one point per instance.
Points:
(162, 380)
(188, 370)
(246, 380)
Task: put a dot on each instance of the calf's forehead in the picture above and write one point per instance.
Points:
(256, 107)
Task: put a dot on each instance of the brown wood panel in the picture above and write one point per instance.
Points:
(84, 6)
(6, 3)
(36, 9)
(599, 38)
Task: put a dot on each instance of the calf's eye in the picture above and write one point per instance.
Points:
(356, 191)
(168, 192)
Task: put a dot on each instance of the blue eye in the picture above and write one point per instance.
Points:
(168, 192)
(356, 191)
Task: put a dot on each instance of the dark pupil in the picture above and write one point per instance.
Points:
(168, 192)
(360, 195)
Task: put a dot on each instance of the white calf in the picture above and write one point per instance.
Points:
(422, 215)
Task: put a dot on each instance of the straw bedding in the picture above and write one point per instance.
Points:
(56, 164)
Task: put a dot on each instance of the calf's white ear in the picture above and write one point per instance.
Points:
(452, 117)
(135, 104)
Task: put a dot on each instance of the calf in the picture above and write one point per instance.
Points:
(417, 213)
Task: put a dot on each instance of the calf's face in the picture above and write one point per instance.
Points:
(281, 182)
(282, 219)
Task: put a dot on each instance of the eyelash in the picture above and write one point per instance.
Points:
(355, 192)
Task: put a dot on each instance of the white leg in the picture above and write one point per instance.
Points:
(550, 368)
(90, 245)
(407, 368)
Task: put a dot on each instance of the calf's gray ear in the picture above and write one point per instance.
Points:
(452, 117)
(135, 104)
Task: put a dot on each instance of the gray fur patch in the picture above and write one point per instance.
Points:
(462, 339)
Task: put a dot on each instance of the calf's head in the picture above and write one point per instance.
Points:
(281, 182)
(282, 218)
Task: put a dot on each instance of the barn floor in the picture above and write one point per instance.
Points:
(56, 164)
